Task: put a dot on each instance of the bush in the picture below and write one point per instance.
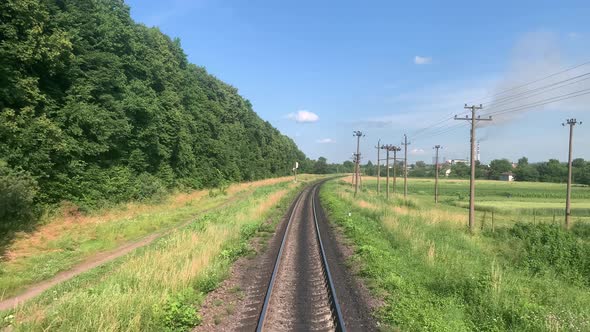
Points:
(550, 248)
(148, 186)
(178, 312)
(18, 192)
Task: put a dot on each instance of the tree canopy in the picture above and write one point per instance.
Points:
(96, 107)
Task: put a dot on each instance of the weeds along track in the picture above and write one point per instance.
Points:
(301, 294)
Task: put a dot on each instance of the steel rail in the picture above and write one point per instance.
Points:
(276, 267)
(335, 307)
(337, 313)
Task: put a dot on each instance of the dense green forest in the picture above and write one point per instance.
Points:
(96, 109)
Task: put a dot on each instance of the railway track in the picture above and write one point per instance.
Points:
(301, 295)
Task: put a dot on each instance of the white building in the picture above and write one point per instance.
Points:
(507, 176)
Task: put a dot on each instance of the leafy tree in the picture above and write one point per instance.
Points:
(499, 166)
(526, 173)
(347, 167)
(552, 171)
(419, 170)
(321, 166)
(460, 170)
(97, 108)
(18, 193)
(370, 169)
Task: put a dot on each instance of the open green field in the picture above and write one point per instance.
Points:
(432, 274)
(510, 201)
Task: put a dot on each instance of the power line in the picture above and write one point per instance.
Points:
(505, 100)
(534, 81)
(442, 131)
(433, 126)
(542, 102)
(510, 99)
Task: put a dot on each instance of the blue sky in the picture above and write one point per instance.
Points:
(317, 70)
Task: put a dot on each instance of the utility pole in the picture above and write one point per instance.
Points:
(395, 149)
(437, 147)
(358, 135)
(387, 148)
(405, 144)
(473, 120)
(568, 211)
(378, 166)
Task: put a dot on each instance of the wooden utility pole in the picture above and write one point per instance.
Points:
(395, 150)
(378, 166)
(437, 147)
(473, 120)
(358, 135)
(568, 211)
(405, 144)
(387, 149)
(387, 167)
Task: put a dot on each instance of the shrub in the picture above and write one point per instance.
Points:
(550, 248)
(148, 186)
(178, 313)
(18, 191)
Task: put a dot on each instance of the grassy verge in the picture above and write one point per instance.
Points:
(158, 287)
(434, 276)
(70, 238)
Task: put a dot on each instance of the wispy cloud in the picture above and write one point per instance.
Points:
(422, 60)
(415, 109)
(538, 73)
(325, 141)
(303, 116)
(573, 35)
(417, 152)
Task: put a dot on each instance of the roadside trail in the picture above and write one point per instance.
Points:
(97, 260)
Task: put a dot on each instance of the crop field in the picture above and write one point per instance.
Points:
(510, 201)
(433, 275)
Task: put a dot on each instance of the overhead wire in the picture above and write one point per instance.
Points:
(540, 90)
(532, 82)
(439, 128)
(541, 102)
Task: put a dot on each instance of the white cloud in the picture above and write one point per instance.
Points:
(422, 60)
(417, 152)
(325, 141)
(303, 116)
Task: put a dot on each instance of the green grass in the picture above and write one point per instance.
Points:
(434, 276)
(73, 246)
(70, 237)
(511, 201)
(158, 287)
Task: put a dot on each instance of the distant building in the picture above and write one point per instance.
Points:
(457, 161)
(448, 172)
(507, 176)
